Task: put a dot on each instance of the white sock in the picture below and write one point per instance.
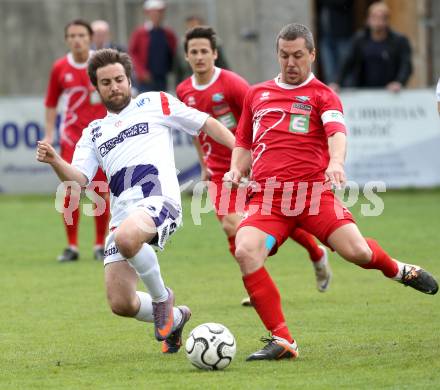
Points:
(145, 313)
(147, 267)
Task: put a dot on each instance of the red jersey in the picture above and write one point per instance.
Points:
(286, 127)
(80, 101)
(223, 99)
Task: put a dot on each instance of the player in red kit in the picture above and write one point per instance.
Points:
(80, 104)
(221, 93)
(292, 134)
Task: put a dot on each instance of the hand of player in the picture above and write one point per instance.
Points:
(233, 177)
(46, 153)
(335, 174)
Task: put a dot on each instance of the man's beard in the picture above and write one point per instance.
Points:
(117, 105)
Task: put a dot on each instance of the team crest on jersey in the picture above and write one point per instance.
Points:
(302, 99)
(218, 97)
(68, 77)
(265, 95)
(191, 101)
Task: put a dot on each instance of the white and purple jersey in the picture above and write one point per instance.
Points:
(135, 150)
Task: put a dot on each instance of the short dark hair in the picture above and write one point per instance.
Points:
(78, 22)
(206, 32)
(294, 31)
(106, 57)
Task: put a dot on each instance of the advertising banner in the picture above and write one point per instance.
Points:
(394, 138)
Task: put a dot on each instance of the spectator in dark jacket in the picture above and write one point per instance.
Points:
(379, 57)
(152, 48)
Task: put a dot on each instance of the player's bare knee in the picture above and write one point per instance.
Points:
(246, 255)
(358, 253)
(127, 244)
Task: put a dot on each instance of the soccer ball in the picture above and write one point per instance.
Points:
(210, 346)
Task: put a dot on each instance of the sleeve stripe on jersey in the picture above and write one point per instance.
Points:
(332, 116)
(165, 104)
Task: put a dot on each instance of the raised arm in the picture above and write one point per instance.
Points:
(66, 172)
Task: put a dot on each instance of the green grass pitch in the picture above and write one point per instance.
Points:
(366, 332)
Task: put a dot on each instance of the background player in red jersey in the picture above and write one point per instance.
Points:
(292, 129)
(70, 84)
(220, 93)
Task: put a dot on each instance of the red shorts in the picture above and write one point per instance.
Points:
(320, 216)
(66, 152)
(226, 200)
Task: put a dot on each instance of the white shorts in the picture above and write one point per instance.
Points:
(167, 216)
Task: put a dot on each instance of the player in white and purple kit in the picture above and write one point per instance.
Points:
(133, 145)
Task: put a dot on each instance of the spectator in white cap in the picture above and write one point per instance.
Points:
(152, 48)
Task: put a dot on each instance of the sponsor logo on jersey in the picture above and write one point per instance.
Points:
(191, 101)
(142, 101)
(96, 133)
(137, 129)
(265, 95)
(302, 99)
(299, 123)
(300, 108)
(68, 77)
(218, 97)
(221, 109)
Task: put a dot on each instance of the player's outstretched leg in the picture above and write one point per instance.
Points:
(368, 254)
(173, 342)
(407, 274)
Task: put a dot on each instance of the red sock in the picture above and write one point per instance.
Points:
(71, 220)
(232, 245)
(381, 260)
(101, 222)
(307, 241)
(266, 300)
